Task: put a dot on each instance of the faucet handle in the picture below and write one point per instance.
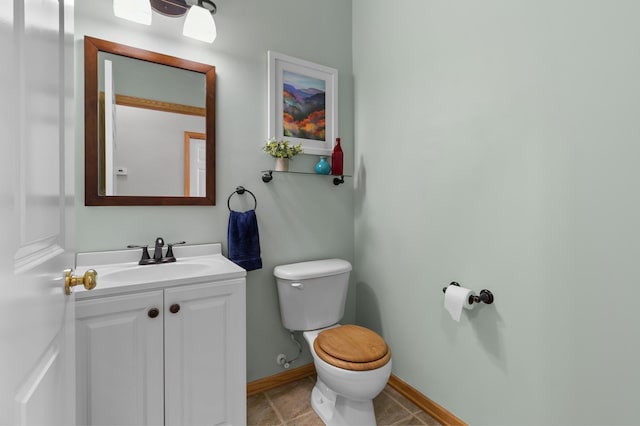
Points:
(145, 259)
(169, 257)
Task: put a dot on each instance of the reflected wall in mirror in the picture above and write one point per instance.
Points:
(149, 127)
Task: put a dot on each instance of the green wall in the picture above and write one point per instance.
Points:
(300, 217)
(497, 145)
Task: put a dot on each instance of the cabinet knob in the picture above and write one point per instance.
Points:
(153, 312)
(174, 308)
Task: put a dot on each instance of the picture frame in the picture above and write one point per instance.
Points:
(302, 103)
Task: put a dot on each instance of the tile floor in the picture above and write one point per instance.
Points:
(290, 405)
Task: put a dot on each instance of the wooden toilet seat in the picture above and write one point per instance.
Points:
(352, 347)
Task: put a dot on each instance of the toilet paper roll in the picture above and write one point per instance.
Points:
(456, 298)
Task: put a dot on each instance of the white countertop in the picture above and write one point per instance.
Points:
(118, 270)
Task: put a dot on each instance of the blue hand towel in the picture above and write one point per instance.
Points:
(243, 240)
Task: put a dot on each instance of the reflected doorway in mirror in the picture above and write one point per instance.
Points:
(195, 161)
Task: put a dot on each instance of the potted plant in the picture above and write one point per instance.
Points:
(282, 151)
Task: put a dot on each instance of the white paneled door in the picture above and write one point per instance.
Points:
(197, 165)
(37, 379)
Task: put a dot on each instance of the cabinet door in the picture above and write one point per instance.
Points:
(119, 351)
(205, 372)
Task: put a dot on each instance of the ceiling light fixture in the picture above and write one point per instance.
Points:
(199, 23)
(172, 8)
(133, 10)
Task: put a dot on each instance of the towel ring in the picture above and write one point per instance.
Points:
(241, 190)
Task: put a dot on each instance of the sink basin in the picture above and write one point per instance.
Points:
(159, 272)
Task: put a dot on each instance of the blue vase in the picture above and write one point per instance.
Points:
(323, 167)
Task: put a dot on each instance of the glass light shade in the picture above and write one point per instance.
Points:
(133, 10)
(199, 24)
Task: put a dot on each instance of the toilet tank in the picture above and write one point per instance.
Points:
(312, 294)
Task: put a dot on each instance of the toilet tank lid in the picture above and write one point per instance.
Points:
(312, 269)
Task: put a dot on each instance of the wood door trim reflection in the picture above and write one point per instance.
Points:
(187, 159)
(153, 104)
(156, 105)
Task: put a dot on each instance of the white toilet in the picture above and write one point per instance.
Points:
(353, 363)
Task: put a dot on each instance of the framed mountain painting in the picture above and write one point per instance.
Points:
(303, 103)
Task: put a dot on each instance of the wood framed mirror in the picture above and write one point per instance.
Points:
(136, 119)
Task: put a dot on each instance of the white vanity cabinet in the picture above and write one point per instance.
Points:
(120, 360)
(205, 354)
(173, 355)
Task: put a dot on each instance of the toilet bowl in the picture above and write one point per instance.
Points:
(344, 397)
(353, 363)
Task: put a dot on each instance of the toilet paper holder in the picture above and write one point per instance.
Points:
(485, 295)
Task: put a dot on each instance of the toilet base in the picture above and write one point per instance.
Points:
(336, 410)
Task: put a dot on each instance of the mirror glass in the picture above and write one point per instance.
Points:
(149, 127)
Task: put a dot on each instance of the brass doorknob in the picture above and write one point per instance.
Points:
(88, 280)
